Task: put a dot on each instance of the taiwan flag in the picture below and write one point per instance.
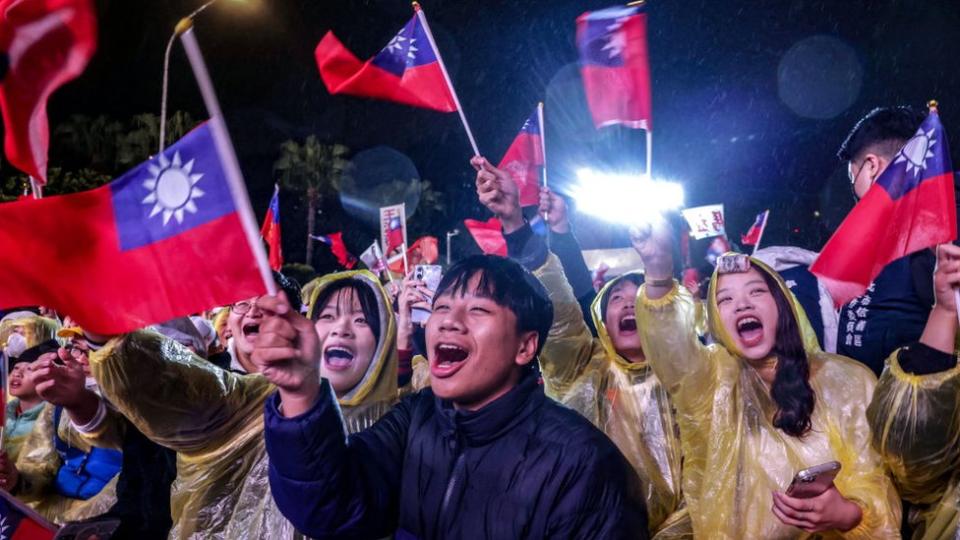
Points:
(43, 45)
(614, 66)
(910, 207)
(18, 522)
(408, 70)
(338, 248)
(524, 160)
(753, 236)
(270, 231)
(488, 235)
(164, 240)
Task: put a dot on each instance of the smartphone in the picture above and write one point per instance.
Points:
(429, 274)
(814, 480)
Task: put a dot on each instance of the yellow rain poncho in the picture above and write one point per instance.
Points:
(733, 455)
(624, 399)
(916, 427)
(214, 420)
(35, 330)
(39, 463)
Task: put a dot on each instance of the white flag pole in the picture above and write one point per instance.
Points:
(446, 76)
(543, 140)
(649, 154)
(228, 157)
(766, 218)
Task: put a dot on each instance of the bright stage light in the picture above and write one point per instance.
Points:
(630, 199)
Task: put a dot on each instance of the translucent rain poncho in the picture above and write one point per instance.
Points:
(733, 455)
(214, 420)
(916, 426)
(624, 399)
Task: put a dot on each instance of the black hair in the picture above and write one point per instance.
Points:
(791, 388)
(508, 284)
(38, 350)
(884, 129)
(292, 289)
(364, 294)
(636, 279)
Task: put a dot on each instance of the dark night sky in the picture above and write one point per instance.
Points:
(720, 82)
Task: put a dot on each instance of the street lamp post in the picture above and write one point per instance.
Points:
(450, 235)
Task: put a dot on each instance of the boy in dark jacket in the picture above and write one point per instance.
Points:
(483, 453)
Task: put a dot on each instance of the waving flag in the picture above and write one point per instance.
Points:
(614, 66)
(164, 240)
(406, 71)
(338, 248)
(424, 250)
(488, 235)
(393, 233)
(524, 160)
(910, 207)
(372, 257)
(270, 231)
(18, 522)
(752, 237)
(43, 45)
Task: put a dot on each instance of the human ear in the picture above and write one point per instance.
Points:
(527, 351)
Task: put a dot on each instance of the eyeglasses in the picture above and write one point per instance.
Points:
(242, 307)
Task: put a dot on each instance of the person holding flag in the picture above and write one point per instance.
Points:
(898, 165)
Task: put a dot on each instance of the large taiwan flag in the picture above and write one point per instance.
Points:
(164, 240)
(407, 70)
(524, 160)
(614, 66)
(910, 207)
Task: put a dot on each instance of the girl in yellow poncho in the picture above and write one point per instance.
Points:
(759, 406)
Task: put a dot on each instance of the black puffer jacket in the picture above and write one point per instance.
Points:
(521, 467)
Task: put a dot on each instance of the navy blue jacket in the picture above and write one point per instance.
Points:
(521, 467)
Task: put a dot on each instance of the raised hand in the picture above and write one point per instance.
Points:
(287, 352)
(498, 192)
(554, 207)
(826, 512)
(653, 242)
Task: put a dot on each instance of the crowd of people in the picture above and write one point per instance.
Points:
(529, 404)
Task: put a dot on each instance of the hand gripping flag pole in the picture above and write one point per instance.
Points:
(225, 149)
(446, 76)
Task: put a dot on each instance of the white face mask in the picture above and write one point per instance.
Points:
(16, 344)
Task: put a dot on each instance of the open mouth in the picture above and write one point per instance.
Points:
(251, 330)
(337, 358)
(448, 359)
(14, 384)
(628, 324)
(750, 330)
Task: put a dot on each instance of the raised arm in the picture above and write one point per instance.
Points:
(174, 397)
(915, 412)
(327, 484)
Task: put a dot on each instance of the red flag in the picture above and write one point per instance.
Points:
(163, 241)
(909, 208)
(393, 232)
(406, 71)
(614, 66)
(752, 237)
(270, 231)
(425, 250)
(338, 248)
(43, 45)
(524, 160)
(488, 235)
(19, 522)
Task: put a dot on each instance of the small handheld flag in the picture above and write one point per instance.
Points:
(614, 66)
(270, 231)
(338, 248)
(705, 221)
(524, 160)
(488, 235)
(911, 206)
(20, 522)
(43, 45)
(372, 257)
(393, 234)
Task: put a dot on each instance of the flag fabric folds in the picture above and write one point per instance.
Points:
(424, 250)
(524, 160)
(752, 236)
(162, 241)
(43, 45)
(270, 231)
(338, 248)
(406, 71)
(614, 66)
(393, 232)
(488, 235)
(19, 522)
(911, 206)
(372, 257)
